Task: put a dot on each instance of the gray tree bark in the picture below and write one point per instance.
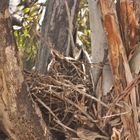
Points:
(99, 48)
(58, 25)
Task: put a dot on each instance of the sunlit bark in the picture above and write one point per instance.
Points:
(18, 118)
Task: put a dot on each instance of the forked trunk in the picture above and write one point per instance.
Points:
(58, 29)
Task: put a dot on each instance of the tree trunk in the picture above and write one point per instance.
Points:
(19, 120)
(58, 27)
(99, 46)
(122, 75)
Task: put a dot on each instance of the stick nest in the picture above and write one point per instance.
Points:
(65, 98)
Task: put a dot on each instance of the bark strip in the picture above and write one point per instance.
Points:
(120, 68)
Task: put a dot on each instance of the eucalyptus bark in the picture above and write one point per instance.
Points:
(99, 46)
(58, 25)
(18, 119)
(138, 9)
(118, 58)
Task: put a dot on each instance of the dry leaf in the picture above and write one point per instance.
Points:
(85, 134)
(115, 134)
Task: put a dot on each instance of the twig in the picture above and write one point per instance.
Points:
(56, 119)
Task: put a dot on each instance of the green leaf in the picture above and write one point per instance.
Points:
(26, 10)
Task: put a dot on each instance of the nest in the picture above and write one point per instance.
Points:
(64, 96)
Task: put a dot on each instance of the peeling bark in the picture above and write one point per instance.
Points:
(120, 68)
(128, 24)
(138, 10)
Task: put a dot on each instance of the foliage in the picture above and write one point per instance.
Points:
(25, 37)
(83, 25)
